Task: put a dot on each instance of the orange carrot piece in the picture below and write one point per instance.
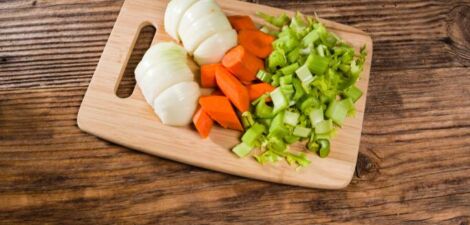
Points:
(208, 75)
(203, 123)
(233, 89)
(256, 42)
(220, 110)
(256, 90)
(242, 63)
(242, 23)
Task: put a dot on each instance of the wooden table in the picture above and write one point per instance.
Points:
(413, 166)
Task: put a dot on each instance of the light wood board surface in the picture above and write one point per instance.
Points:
(132, 123)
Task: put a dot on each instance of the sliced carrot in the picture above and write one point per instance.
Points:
(220, 110)
(217, 92)
(203, 123)
(233, 89)
(256, 90)
(242, 63)
(242, 23)
(256, 42)
(208, 75)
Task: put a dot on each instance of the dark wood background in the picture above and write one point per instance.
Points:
(414, 161)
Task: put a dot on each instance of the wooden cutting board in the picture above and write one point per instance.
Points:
(132, 123)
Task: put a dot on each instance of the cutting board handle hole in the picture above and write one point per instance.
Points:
(144, 40)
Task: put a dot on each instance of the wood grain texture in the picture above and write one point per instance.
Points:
(413, 165)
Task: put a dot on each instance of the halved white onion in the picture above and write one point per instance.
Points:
(214, 48)
(176, 105)
(192, 36)
(196, 11)
(159, 53)
(161, 76)
(173, 14)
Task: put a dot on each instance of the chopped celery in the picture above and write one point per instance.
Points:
(264, 76)
(276, 144)
(275, 80)
(252, 134)
(316, 115)
(307, 105)
(311, 37)
(277, 127)
(317, 64)
(301, 159)
(338, 110)
(324, 150)
(299, 90)
(291, 118)
(323, 127)
(277, 59)
(323, 136)
(353, 92)
(279, 100)
(262, 110)
(267, 156)
(277, 21)
(290, 69)
(301, 131)
(247, 119)
(242, 149)
(290, 139)
(294, 55)
(286, 80)
(303, 73)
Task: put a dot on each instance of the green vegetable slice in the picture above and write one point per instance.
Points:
(252, 134)
(242, 149)
(279, 100)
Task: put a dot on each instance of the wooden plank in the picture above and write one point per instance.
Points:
(413, 164)
(53, 173)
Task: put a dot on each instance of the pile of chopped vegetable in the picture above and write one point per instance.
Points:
(314, 74)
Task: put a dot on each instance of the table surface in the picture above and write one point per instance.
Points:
(413, 165)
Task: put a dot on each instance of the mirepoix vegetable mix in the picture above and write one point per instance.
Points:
(314, 73)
